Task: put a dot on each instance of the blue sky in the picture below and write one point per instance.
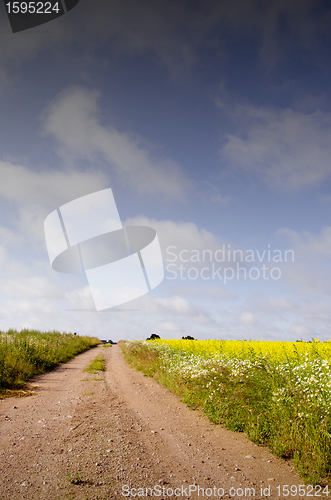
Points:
(211, 122)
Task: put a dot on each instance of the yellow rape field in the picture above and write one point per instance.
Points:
(277, 352)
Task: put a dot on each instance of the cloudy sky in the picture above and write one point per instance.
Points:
(211, 122)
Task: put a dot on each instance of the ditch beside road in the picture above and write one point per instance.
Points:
(103, 436)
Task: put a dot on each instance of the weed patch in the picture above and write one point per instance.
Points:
(97, 365)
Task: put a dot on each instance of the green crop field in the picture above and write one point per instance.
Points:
(29, 352)
(278, 393)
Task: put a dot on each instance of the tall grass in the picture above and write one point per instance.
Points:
(278, 393)
(29, 352)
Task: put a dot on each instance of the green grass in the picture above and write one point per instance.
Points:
(29, 352)
(284, 406)
(97, 365)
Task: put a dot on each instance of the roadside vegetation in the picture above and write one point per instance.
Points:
(278, 393)
(30, 352)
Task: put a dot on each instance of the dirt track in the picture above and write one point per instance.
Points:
(81, 438)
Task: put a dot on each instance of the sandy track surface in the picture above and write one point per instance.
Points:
(104, 436)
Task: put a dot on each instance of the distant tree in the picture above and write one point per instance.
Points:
(153, 337)
(188, 337)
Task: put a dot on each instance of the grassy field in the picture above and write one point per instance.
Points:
(28, 352)
(278, 393)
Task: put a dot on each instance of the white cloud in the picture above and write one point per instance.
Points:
(175, 304)
(309, 278)
(247, 318)
(289, 316)
(35, 194)
(175, 237)
(311, 270)
(203, 292)
(9, 239)
(3, 255)
(30, 287)
(80, 298)
(169, 327)
(281, 303)
(309, 243)
(73, 120)
(301, 331)
(172, 307)
(47, 188)
(39, 313)
(287, 149)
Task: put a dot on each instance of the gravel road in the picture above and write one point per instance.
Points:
(117, 433)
